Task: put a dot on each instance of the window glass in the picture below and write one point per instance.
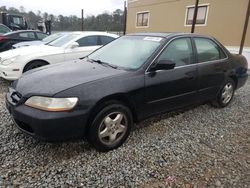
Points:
(201, 15)
(63, 40)
(179, 51)
(17, 20)
(105, 40)
(129, 52)
(53, 37)
(207, 50)
(41, 36)
(88, 41)
(27, 35)
(142, 19)
(4, 29)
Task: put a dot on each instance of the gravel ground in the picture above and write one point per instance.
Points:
(199, 147)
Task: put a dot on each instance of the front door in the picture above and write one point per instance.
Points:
(169, 89)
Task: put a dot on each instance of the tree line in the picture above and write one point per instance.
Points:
(102, 22)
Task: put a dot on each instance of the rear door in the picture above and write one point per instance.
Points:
(212, 67)
(170, 89)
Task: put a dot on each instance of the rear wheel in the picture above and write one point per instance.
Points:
(110, 127)
(225, 95)
(33, 65)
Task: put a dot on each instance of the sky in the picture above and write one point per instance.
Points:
(66, 7)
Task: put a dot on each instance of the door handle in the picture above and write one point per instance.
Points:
(190, 75)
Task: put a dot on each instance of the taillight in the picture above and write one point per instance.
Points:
(3, 38)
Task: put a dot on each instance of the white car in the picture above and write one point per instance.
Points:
(13, 63)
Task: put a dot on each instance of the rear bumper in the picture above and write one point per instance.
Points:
(48, 126)
(242, 80)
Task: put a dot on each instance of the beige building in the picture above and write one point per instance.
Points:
(223, 19)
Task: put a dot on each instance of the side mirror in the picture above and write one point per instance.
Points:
(74, 45)
(164, 65)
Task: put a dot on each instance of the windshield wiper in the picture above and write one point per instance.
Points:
(103, 63)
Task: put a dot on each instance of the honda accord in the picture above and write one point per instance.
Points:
(101, 96)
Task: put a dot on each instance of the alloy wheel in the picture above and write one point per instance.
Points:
(227, 93)
(113, 128)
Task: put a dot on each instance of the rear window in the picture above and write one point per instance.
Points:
(105, 40)
(208, 50)
(41, 36)
(88, 41)
(27, 35)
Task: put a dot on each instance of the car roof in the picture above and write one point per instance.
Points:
(168, 35)
(87, 33)
(20, 31)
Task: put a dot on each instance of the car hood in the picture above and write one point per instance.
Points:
(29, 50)
(52, 79)
(29, 43)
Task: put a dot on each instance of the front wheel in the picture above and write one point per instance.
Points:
(225, 95)
(33, 65)
(110, 127)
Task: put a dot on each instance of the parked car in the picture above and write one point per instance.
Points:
(136, 76)
(46, 40)
(7, 40)
(72, 46)
(4, 29)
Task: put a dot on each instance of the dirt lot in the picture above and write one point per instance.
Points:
(199, 147)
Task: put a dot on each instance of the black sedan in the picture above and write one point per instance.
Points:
(134, 77)
(11, 38)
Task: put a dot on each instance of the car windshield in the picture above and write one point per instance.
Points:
(52, 37)
(129, 52)
(63, 40)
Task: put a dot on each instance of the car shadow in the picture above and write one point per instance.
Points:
(66, 150)
(157, 118)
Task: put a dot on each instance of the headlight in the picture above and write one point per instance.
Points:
(8, 61)
(52, 104)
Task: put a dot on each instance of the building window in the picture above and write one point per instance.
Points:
(142, 19)
(201, 15)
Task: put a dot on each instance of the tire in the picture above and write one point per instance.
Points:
(33, 65)
(110, 127)
(225, 94)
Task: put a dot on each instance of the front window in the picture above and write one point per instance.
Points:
(179, 51)
(142, 19)
(18, 20)
(201, 15)
(62, 41)
(129, 52)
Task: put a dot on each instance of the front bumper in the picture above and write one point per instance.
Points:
(7, 73)
(48, 126)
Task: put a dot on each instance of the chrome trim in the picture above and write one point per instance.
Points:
(172, 97)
